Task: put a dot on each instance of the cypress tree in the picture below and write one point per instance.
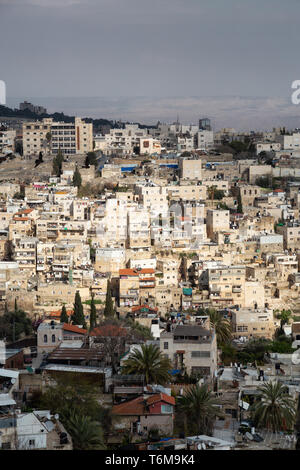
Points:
(63, 315)
(93, 314)
(240, 205)
(77, 178)
(109, 307)
(78, 316)
(57, 163)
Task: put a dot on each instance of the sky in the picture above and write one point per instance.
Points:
(150, 60)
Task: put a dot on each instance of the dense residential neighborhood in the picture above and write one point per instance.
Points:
(149, 286)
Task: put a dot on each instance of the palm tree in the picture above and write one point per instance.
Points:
(221, 326)
(150, 362)
(86, 434)
(276, 409)
(199, 404)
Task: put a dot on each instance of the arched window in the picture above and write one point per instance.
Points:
(53, 338)
(45, 338)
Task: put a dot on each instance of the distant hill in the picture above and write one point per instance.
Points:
(26, 113)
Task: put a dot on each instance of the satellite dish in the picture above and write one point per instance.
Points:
(56, 416)
(13, 381)
(199, 446)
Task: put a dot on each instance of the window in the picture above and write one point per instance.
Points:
(45, 338)
(200, 353)
(166, 408)
(53, 338)
(166, 345)
(31, 442)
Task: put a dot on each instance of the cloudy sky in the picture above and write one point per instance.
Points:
(150, 60)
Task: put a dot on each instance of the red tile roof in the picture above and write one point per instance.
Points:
(132, 407)
(147, 271)
(24, 211)
(109, 330)
(128, 272)
(21, 218)
(161, 397)
(74, 329)
(135, 272)
(138, 406)
(57, 313)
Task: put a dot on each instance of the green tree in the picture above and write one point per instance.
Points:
(21, 193)
(78, 316)
(215, 194)
(275, 409)
(74, 396)
(138, 330)
(14, 325)
(93, 314)
(199, 403)
(63, 315)
(109, 306)
(221, 326)
(229, 353)
(77, 178)
(240, 205)
(86, 434)
(150, 362)
(57, 163)
(90, 159)
(284, 316)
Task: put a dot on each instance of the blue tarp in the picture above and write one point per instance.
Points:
(170, 165)
(128, 168)
(187, 291)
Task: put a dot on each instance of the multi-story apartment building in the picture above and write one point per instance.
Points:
(205, 140)
(7, 141)
(139, 228)
(154, 198)
(129, 285)
(227, 285)
(252, 323)
(190, 169)
(24, 253)
(110, 260)
(168, 272)
(217, 221)
(291, 235)
(191, 348)
(71, 138)
(187, 192)
(34, 136)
